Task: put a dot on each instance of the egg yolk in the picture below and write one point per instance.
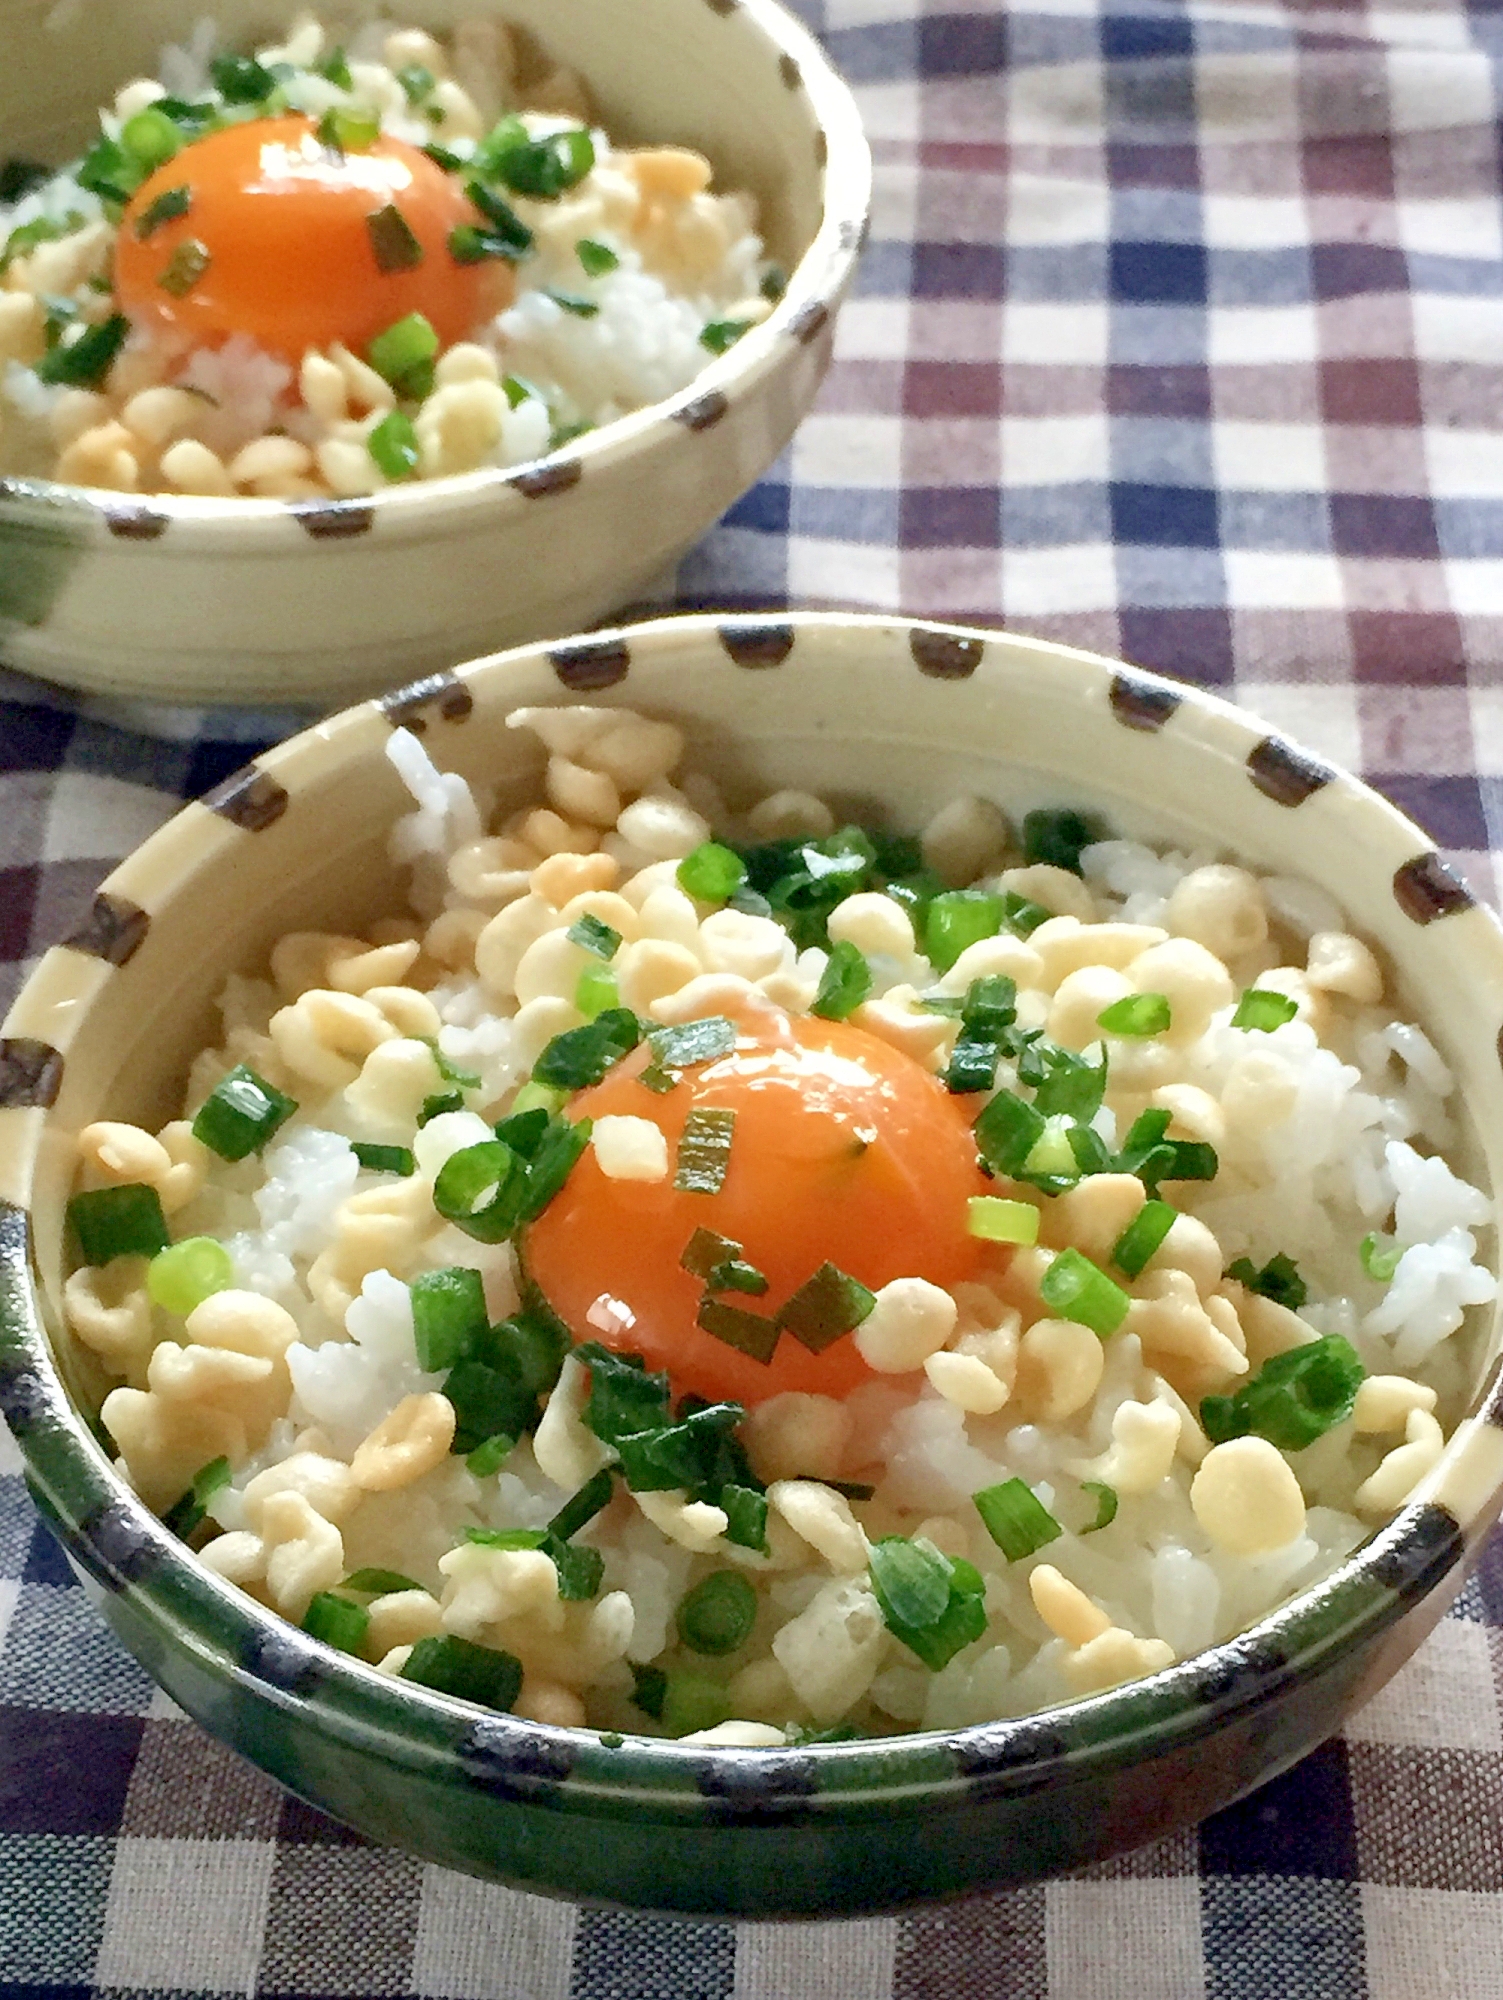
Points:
(843, 1150)
(291, 258)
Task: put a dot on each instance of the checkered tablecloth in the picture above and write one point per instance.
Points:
(1178, 337)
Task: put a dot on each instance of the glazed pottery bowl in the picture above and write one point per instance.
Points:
(866, 711)
(320, 601)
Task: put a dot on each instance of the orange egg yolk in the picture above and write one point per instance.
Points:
(843, 1150)
(291, 259)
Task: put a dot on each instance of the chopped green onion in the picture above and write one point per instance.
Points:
(417, 82)
(825, 1308)
(576, 1513)
(533, 1096)
(505, 1538)
(480, 1190)
(1380, 1257)
(972, 1065)
(378, 1582)
(403, 355)
(933, 1604)
(543, 168)
(1263, 1010)
(745, 1512)
(188, 1510)
(108, 171)
(957, 919)
(691, 1703)
(1153, 1158)
(20, 177)
(1106, 1504)
(345, 128)
(705, 1253)
(591, 935)
(335, 69)
(446, 157)
(704, 1150)
(84, 363)
(1053, 1155)
(1015, 1518)
(337, 1622)
(441, 1102)
(688, 1453)
(150, 139)
(241, 1114)
(1057, 836)
(1294, 1398)
(998, 1221)
(711, 873)
(181, 1277)
(1020, 916)
(1071, 1085)
(579, 1570)
(1006, 1132)
(491, 1456)
(1136, 1014)
(1278, 1280)
(167, 207)
(1142, 1236)
(690, 1042)
(183, 269)
(595, 990)
(581, 1056)
(1075, 1288)
(241, 79)
(719, 336)
(453, 1073)
(735, 1276)
(118, 1222)
(450, 1665)
(523, 1131)
(502, 220)
(570, 302)
(650, 1686)
(470, 244)
(751, 1334)
(624, 1399)
(596, 258)
(774, 284)
(717, 1615)
(518, 391)
(553, 1162)
(489, 1402)
(393, 445)
(448, 1316)
(990, 1004)
(384, 1159)
(844, 984)
(394, 243)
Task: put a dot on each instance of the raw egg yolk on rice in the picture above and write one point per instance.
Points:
(298, 244)
(843, 1151)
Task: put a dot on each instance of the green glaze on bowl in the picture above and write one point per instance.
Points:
(864, 710)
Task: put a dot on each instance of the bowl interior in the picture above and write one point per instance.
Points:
(684, 71)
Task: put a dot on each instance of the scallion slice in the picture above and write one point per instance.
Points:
(118, 1222)
(491, 1456)
(745, 1512)
(595, 258)
(417, 82)
(188, 1510)
(543, 168)
(719, 336)
(403, 355)
(346, 128)
(1015, 1518)
(624, 1399)
(480, 1190)
(502, 221)
(844, 984)
(533, 1096)
(692, 1702)
(690, 1042)
(378, 1582)
(591, 935)
(1380, 1256)
(1142, 1236)
(1138, 1014)
(1020, 916)
(166, 207)
(1075, 1288)
(751, 1334)
(997, 1221)
(711, 873)
(183, 269)
(523, 1130)
(448, 1316)
(241, 79)
(579, 1570)
(957, 919)
(826, 1307)
(1263, 1010)
(717, 1615)
(571, 302)
(470, 244)
(581, 1056)
(83, 363)
(1006, 1132)
(576, 1513)
(336, 1621)
(774, 284)
(489, 1402)
(595, 990)
(1278, 1280)
(241, 1114)
(1056, 836)
(1106, 1504)
(705, 1252)
(150, 138)
(436, 1106)
(650, 1685)
(393, 445)
(394, 243)
(1294, 1398)
(181, 1277)
(934, 1604)
(450, 1665)
(384, 1159)
(704, 1150)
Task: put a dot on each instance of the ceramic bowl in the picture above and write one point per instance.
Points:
(279, 602)
(864, 710)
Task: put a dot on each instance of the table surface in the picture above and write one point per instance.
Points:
(1178, 337)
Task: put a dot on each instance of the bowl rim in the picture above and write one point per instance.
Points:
(111, 1534)
(816, 285)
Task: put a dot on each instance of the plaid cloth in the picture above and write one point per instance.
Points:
(1178, 337)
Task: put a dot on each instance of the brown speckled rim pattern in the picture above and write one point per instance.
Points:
(804, 314)
(125, 1549)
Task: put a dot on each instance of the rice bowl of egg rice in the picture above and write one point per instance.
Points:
(308, 319)
(852, 1306)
